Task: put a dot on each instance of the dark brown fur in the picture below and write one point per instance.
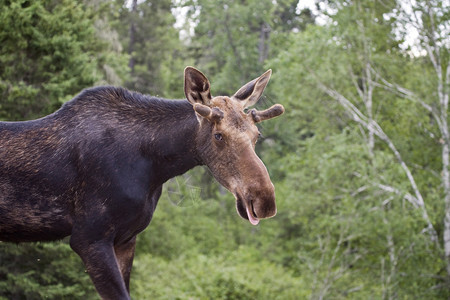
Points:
(94, 169)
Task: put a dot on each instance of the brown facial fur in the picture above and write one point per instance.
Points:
(226, 141)
(233, 160)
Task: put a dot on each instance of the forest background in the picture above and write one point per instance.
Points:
(360, 160)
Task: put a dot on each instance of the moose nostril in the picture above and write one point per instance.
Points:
(264, 206)
(253, 210)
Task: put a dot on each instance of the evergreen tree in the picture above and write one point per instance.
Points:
(350, 224)
(233, 39)
(147, 32)
(49, 53)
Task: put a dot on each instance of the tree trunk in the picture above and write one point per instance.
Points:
(442, 70)
(368, 92)
(131, 63)
(443, 95)
(263, 46)
(233, 46)
(374, 127)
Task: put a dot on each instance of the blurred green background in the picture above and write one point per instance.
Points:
(359, 160)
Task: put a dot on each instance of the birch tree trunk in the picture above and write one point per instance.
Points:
(443, 86)
(433, 34)
(434, 53)
(417, 200)
(427, 18)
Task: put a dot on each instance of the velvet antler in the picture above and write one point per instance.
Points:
(213, 114)
(272, 112)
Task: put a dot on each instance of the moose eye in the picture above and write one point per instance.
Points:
(218, 136)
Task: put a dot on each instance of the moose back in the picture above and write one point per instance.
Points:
(94, 169)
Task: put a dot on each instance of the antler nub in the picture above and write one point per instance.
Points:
(213, 114)
(272, 112)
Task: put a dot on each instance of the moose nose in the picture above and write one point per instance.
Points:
(264, 205)
(259, 191)
(261, 198)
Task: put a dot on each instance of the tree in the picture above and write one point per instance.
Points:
(429, 19)
(156, 57)
(233, 39)
(353, 60)
(49, 53)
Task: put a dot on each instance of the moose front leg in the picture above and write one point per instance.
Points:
(125, 255)
(101, 264)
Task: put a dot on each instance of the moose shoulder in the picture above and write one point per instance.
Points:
(94, 169)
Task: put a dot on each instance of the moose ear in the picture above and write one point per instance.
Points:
(196, 87)
(250, 93)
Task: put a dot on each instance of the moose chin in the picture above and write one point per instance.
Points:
(94, 169)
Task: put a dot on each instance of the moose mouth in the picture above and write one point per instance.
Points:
(246, 211)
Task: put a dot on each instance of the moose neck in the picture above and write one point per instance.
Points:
(172, 146)
(162, 131)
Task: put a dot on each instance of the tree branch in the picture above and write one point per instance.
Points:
(407, 94)
(374, 127)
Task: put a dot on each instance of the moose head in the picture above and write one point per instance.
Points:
(226, 141)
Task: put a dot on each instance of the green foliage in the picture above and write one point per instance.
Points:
(156, 53)
(241, 274)
(233, 39)
(339, 232)
(38, 271)
(48, 54)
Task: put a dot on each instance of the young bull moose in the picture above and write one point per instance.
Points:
(94, 169)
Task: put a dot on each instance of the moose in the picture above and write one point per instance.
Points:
(94, 169)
